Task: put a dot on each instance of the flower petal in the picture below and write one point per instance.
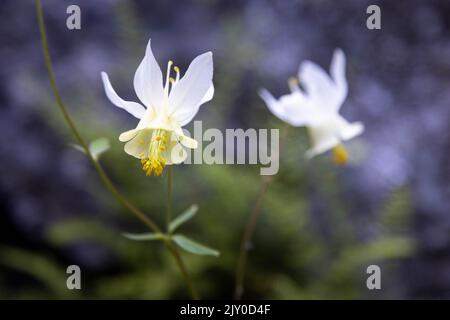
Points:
(316, 81)
(190, 114)
(323, 138)
(175, 153)
(337, 71)
(132, 107)
(179, 136)
(189, 92)
(128, 135)
(138, 146)
(348, 130)
(293, 108)
(188, 142)
(209, 94)
(274, 106)
(148, 81)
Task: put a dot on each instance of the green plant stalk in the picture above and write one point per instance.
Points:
(176, 254)
(249, 230)
(101, 172)
(169, 197)
(246, 239)
(169, 244)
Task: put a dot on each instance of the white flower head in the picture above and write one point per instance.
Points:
(317, 105)
(158, 139)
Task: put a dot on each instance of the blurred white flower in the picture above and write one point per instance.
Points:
(317, 105)
(165, 109)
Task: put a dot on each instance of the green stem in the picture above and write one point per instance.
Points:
(182, 267)
(169, 197)
(246, 239)
(250, 228)
(169, 244)
(101, 172)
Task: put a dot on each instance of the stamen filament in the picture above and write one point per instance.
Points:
(177, 71)
(156, 161)
(166, 87)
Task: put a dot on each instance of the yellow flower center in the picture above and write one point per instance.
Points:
(155, 162)
(340, 155)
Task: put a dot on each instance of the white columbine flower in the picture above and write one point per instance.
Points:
(166, 107)
(317, 105)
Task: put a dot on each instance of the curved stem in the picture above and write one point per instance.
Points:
(246, 239)
(169, 244)
(101, 172)
(169, 197)
(182, 267)
(250, 228)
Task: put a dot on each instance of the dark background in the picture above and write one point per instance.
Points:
(321, 225)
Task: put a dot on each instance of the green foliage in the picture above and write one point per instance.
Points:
(39, 267)
(149, 236)
(99, 146)
(96, 147)
(193, 247)
(182, 218)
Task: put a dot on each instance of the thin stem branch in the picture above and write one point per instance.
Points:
(246, 238)
(182, 267)
(169, 244)
(169, 197)
(250, 228)
(101, 172)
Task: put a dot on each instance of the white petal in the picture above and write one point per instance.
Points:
(299, 109)
(321, 89)
(146, 122)
(323, 138)
(128, 135)
(190, 114)
(187, 95)
(138, 146)
(315, 80)
(148, 81)
(330, 132)
(209, 94)
(348, 130)
(337, 71)
(179, 136)
(175, 153)
(274, 106)
(293, 108)
(188, 142)
(132, 107)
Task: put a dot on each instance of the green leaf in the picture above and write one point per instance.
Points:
(182, 218)
(77, 147)
(98, 146)
(193, 247)
(149, 236)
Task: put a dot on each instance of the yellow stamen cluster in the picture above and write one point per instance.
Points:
(155, 162)
(340, 155)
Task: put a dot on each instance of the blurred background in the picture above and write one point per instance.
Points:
(321, 225)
